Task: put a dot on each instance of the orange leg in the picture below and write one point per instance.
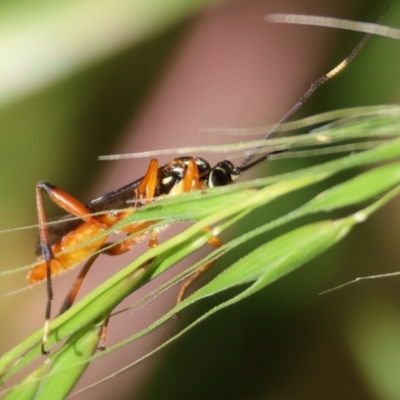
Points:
(73, 206)
(111, 250)
(146, 190)
(76, 287)
(191, 181)
(117, 249)
(148, 186)
(73, 293)
(216, 242)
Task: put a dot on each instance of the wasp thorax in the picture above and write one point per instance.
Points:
(173, 173)
(178, 165)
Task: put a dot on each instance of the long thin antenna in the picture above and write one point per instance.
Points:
(246, 164)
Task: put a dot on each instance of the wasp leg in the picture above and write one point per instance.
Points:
(109, 249)
(103, 335)
(214, 241)
(67, 202)
(73, 206)
(146, 190)
(104, 328)
(73, 293)
(76, 287)
(191, 182)
(147, 187)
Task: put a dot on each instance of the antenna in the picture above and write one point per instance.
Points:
(247, 163)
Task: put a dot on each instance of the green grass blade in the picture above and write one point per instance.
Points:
(224, 204)
(55, 378)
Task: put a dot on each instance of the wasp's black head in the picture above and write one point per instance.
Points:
(221, 174)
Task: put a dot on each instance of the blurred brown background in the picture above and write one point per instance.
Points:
(193, 66)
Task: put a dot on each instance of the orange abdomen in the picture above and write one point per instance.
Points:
(82, 243)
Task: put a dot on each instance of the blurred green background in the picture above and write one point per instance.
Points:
(83, 78)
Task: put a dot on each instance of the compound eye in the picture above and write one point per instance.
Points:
(220, 175)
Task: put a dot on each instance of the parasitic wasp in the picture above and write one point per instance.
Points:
(83, 239)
